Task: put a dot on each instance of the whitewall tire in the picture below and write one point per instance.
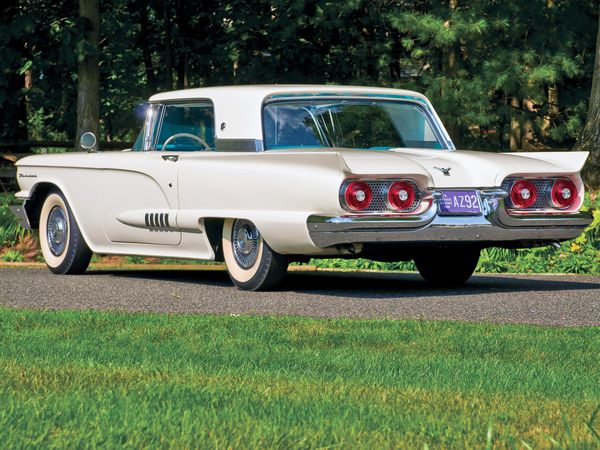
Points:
(251, 263)
(63, 247)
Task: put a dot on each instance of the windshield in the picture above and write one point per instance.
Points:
(360, 124)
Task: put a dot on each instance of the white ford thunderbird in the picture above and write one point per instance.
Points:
(259, 176)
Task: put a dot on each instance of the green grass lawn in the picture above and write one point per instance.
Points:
(86, 379)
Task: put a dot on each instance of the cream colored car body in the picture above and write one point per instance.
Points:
(144, 203)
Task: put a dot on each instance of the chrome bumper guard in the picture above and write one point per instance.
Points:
(21, 215)
(494, 225)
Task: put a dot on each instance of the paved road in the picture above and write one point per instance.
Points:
(545, 300)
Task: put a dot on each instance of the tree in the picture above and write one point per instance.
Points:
(491, 66)
(590, 136)
(88, 84)
(493, 70)
(14, 26)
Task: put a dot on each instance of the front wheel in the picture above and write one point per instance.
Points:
(63, 247)
(447, 266)
(252, 265)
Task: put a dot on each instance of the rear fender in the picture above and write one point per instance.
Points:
(570, 162)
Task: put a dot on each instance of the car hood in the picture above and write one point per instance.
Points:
(458, 168)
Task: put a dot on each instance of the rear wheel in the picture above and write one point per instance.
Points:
(63, 247)
(251, 263)
(447, 266)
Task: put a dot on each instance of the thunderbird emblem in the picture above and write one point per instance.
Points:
(444, 170)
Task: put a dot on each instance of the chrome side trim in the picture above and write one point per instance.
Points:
(21, 214)
(153, 221)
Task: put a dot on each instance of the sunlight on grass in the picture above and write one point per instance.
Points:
(106, 379)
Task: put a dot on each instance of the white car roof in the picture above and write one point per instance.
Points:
(238, 109)
(261, 91)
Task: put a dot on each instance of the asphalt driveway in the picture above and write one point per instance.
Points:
(558, 300)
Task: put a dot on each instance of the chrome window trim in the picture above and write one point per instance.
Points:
(152, 115)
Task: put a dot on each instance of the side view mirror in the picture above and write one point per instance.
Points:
(88, 141)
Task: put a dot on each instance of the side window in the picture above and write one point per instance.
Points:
(187, 127)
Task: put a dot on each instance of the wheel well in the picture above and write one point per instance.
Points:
(214, 231)
(33, 205)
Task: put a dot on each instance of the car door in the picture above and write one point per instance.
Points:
(140, 186)
(140, 199)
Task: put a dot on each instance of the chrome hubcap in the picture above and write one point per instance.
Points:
(245, 239)
(56, 231)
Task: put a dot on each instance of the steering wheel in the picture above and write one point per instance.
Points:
(187, 135)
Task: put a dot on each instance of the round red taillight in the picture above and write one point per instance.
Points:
(401, 195)
(564, 193)
(358, 195)
(523, 194)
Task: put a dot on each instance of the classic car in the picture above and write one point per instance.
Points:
(260, 176)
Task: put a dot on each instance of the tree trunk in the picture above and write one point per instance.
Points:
(168, 64)
(28, 86)
(144, 43)
(450, 71)
(88, 84)
(553, 110)
(13, 110)
(515, 125)
(590, 136)
(183, 81)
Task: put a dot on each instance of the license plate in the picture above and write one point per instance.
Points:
(460, 202)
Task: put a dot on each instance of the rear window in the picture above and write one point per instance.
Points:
(360, 124)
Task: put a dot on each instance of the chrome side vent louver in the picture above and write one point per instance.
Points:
(157, 221)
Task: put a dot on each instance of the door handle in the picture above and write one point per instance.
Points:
(172, 158)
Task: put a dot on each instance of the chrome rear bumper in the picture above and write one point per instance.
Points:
(494, 228)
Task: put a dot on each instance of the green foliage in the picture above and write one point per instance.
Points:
(12, 256)
(90, 379)
(175, 262)
(362, 264)
(569, 258)
(581, 255)
(10, 230)
(471, 61)
(135, 260)
(483, 54)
